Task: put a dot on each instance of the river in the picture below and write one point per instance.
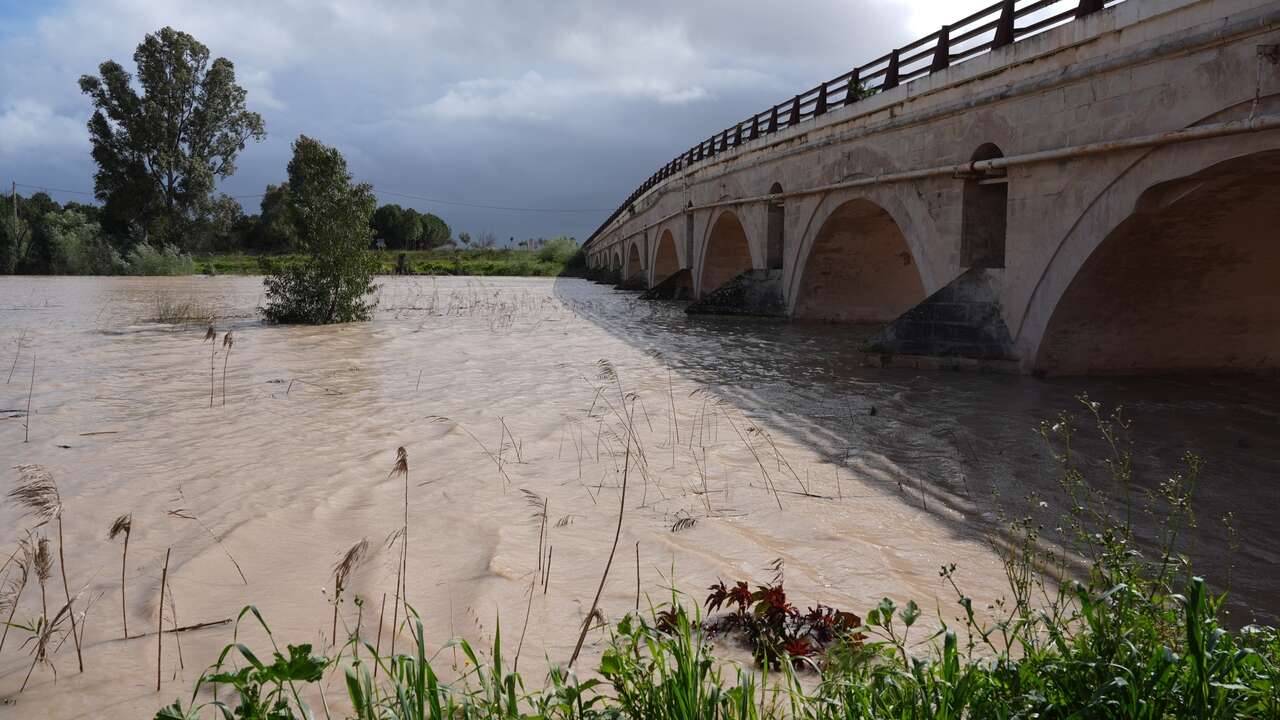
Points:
(862, 481)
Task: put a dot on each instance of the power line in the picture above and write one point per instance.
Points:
(46, 188)
(423, 198)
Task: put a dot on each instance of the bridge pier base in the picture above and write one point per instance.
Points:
(963, 319)
(677, 286)
(755, 292)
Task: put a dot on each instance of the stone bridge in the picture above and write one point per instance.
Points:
(1049, 186)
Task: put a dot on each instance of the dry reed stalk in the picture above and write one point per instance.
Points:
(377, 648)
(546, 576)
(227, 342)
(38, 494)
(43, 632)
(12, 592)
(186, 515)
(173, 624)
(528, 609)
(617, 533)
(211, 336)
(123, 525)
(22, 335)
(497, 460)
(401, 468)
(637, 576)
(26, 419)
(755, 455)
(164, 581)
(341, 572)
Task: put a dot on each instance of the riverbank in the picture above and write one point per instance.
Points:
(478, 263)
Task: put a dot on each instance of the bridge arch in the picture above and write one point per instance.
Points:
(726, 252)
(858, 267)
(617, 261)
(1186, 281)
(666, 258)
(633, 267)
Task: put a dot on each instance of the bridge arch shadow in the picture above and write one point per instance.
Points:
(859, 268)
(726, 253)
(1187, 282)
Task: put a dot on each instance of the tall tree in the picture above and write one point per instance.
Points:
(159, 152)
(273, 232)
(331, 221)
(435, 232)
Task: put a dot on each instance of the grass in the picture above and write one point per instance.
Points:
(490, 262)
(169, 309)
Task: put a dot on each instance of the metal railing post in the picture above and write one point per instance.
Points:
(942, 53)
(851, 94)
(891, 73)
(1089, 6)
(793, 119)
(821, 107)
(1005, 34)
(773, 120)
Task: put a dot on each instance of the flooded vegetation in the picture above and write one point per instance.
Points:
(525, 407)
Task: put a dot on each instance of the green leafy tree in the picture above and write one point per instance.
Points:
(435, 232)
(331, 220)
(400, 228)
(160, 151)
(224, 225)
(273, 231)
(30, 247)
(78, 246)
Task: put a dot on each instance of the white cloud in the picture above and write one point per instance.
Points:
(28, 126)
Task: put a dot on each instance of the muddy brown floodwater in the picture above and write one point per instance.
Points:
(905, 470)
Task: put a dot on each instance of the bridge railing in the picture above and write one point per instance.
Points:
(993, 27)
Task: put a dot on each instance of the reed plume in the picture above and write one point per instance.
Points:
(341, 573)
(38, 494)
(11, 593)
(42, 563)
(227, 342)
(123, 525)
(401, 469)
(211, 336)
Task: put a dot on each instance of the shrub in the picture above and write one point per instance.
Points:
(332, 280)
(557, 250)
(146, 259)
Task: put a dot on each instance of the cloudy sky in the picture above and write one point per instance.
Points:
(563, 104)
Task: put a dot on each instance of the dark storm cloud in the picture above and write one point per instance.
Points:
(532, 104)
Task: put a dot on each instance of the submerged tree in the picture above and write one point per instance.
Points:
(331, 221)
(159, 152)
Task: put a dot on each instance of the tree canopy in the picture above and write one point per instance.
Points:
(160, 151)
(330, 217)
(407, 229)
